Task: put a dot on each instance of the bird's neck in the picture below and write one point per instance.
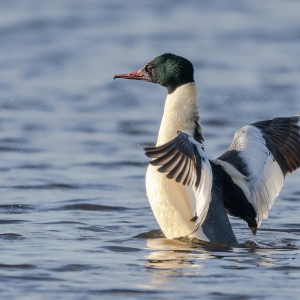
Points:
(180, 113)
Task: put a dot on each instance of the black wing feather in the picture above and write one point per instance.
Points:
(171, 163)
(165, 158)
(177, 169)
(179, 158)
(181, 177)
(282, 137)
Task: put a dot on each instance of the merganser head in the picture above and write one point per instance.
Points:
(168, 70)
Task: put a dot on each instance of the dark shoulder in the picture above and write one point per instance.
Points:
(198, 132)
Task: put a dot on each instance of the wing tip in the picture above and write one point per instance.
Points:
(253, 230)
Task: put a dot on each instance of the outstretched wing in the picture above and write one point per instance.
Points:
(259, 158)
(184, 159)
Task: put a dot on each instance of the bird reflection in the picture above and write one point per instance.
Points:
(177, 257)
(173, 255)
(170, 262)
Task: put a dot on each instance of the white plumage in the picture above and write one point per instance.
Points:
(265, 179)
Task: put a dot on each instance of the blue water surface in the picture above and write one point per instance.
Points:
(72, 165)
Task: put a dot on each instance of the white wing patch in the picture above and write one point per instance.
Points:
(203, 191)
(184, 160)
(265, 179)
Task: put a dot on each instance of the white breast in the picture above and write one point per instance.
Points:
(170, 203)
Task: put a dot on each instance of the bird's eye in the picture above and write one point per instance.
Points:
(148, 68)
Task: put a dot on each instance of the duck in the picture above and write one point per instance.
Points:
(190, 193)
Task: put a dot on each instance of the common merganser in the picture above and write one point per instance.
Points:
(188, 191)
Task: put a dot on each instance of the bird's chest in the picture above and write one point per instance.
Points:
(171, 203)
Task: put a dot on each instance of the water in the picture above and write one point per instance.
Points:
(72, 165)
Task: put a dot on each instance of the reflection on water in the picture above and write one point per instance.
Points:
(175, 263)
(174, 255)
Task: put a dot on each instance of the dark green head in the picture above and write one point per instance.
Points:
(168, 70)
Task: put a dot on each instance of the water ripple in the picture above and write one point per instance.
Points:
(93, 207)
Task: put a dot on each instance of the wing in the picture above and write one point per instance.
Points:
(259, 158)
(184, 160)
